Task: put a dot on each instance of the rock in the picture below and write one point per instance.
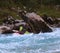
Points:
(36, 23)
(48, 19)
(39, 23)
(56, 22)
(18, 23)
(5, 30)
(52, 21)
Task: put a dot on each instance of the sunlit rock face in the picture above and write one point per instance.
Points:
(36, 23)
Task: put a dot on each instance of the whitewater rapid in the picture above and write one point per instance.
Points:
(31, 43)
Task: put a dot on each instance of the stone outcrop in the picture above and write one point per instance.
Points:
(36, 23)
(12, 28)
(32, 22)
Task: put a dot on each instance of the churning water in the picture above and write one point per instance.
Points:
(31, 43)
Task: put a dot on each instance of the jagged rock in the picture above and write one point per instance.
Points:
(52, 21)
(36, 23)
(48, 19)
(57, 22)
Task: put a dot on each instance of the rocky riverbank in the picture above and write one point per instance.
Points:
(31, 22)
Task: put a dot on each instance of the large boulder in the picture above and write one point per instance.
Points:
(36, 23)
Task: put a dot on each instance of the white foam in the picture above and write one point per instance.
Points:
(30, 43)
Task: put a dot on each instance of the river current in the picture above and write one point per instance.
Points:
(31, 43)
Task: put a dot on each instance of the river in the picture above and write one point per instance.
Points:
(31, 43)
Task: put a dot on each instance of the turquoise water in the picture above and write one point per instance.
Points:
(31, 43)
